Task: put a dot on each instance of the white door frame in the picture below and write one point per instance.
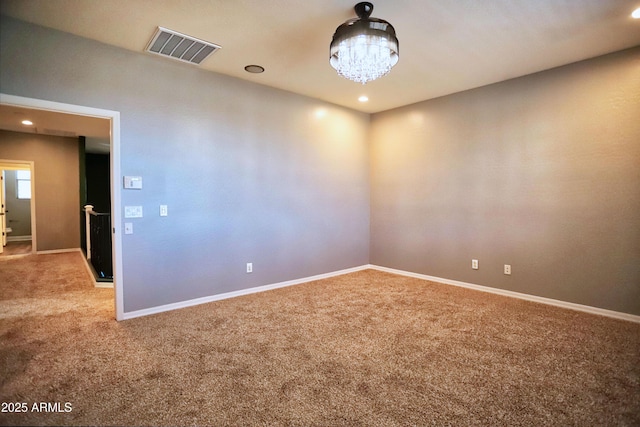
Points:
(23, 165)
(3, 220)
(114, 119)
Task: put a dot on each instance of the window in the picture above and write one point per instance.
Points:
(23, 184)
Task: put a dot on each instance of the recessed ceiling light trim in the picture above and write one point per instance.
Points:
(175, 45)
(254, 69)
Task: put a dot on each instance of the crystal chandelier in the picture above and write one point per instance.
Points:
(364, 48)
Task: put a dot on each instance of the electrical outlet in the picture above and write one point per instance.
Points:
(474, 264)
(507, 269)
(249, 267)
(164, 211)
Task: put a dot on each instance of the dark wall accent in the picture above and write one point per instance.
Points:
(98, 182)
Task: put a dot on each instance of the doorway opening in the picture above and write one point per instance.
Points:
(17, 208)
(114, 141)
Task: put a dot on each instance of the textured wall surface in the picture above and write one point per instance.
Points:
(249, 173)
(540, 172)
(57, 185)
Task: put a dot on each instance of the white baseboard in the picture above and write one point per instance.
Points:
(18, 238)
(105, 285)
(8, 257)
(503, 292)
(59, 251)
(512, 294)
(108, 285)
(212, 298)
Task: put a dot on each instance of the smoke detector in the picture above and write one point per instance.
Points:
(174, 45)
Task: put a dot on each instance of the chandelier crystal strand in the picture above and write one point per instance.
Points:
(364, 58)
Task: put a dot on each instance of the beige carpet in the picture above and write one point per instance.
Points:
(364, 349)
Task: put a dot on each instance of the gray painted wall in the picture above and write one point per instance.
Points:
(18, 211)
(57, 185)
(249, 173)
(541, 172)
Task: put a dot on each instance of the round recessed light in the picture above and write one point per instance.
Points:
(363, 98)
(255, 69)
(27, 122)
(636, 14)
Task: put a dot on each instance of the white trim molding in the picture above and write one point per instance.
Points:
(218, 297)
(58, 251)
(8, 257)
(18, 238)
(97, 284)
(104, 285)
(512, 294)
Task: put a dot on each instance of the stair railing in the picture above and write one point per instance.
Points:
(98, 232)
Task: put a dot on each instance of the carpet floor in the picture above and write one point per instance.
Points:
(362, 349)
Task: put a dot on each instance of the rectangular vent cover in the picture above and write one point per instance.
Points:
(178, 46)
(57, 132)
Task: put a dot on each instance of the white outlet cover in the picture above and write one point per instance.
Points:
(128, 228)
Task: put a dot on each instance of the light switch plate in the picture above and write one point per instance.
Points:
(133, 211)
(128, 228)
(133, 182)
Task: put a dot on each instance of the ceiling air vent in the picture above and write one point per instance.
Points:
(57, 132)
(178, 46)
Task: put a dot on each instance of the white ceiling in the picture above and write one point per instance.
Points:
(446, 46)
(95, 130)
(52, 123)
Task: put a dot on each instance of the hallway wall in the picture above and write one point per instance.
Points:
(57, 185)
